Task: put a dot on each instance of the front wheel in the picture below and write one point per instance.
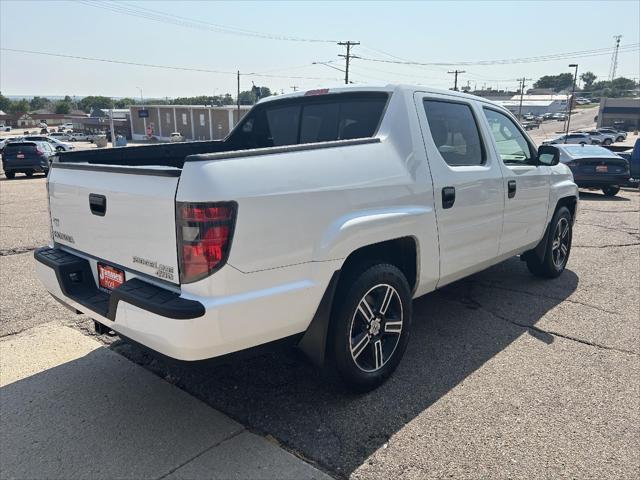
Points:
(29, 174)
(558, 247)
(371, 322)
(611, 190)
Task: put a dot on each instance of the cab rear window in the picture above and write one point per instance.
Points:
(313, 119)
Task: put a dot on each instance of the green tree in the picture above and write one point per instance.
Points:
(5, 103)
(19, 106)
(559, 82)
(87, 103)
(588, 78)
(38, 103)
(63, 107)
(124, 102)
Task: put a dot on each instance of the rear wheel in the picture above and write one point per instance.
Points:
(10, 175)
(558, 247)
(611, 190)
(607, 141)
(620, 139)
(371, 321)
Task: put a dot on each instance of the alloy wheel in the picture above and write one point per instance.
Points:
(560, 245)
(376, 327)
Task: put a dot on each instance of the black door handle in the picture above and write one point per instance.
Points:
(448, 197)
(511, 188)
(98, 204)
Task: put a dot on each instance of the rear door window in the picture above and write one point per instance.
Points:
(455, 132)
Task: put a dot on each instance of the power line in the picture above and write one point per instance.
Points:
(167, 67)
(162, 17)
(542, 58)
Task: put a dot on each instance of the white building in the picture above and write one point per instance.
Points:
(537, 104)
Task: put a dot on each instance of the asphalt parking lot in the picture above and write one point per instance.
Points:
(505, 376)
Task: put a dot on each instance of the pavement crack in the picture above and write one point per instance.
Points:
(628, 230)
(615, 245)
(550, 297)
(211, 447)
(16, 251)
(468, 301)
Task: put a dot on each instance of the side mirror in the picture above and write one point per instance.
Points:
(548, 155)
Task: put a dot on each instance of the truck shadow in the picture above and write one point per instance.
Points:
(455, 331)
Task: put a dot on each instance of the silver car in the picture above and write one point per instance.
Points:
(575, 138)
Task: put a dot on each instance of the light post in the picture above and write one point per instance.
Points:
(144, 119)
(573, 92)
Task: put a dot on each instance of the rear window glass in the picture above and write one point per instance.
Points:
(455, 132)
(311, 119)
(578, 151)
(22, 147)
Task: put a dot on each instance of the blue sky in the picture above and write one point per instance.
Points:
(416, 31)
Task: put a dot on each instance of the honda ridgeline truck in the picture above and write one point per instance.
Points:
(318, 219)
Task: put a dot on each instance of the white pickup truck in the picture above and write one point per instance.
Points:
(317, 219)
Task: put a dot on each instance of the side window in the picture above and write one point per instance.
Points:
(512, 145)
(455, 132)
(319, 123)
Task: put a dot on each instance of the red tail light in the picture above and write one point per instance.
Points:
(204, 232)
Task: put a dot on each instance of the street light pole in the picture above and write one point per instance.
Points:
(144, 119)
(573, 93)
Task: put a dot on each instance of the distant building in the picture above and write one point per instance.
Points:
(619, 112)
(537, 104)
(98, 121)
(27, 120)
(193, 122)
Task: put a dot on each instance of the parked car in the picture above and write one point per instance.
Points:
(582, 101)
(4, 142)
(176, 137)
(317, 219)
(595, 167)
(5, 128)
(632, 155)
(559, 116)
(547, 116)
(80, 137)
(26, 157)
(57, 145)
(578, 138)
(61, 136)
(599, 138)
(619, 136)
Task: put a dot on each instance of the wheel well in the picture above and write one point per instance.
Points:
(570, 203)
(401, 252)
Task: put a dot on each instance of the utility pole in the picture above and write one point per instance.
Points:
(294, 88)
(614, 58)
(238, 96)
(455, 79)
(522, 80)
(347, 58)
(573, 93)
(113, 133)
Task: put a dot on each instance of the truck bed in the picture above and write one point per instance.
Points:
(164, 154)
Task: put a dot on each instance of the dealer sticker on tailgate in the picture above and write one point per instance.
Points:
(109, 277)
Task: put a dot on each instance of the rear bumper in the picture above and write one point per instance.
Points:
(253, 309)
(27, 165)
(598, 181)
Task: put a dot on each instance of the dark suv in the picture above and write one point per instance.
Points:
(27, 158)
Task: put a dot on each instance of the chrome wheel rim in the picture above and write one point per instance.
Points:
(560, 245)
(376, 327)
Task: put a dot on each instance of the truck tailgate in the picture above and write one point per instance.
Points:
(124, 216)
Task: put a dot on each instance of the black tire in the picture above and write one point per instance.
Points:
(10, 175)
(583, 143)
(607, 141)
(29, 174)
(611, 190)
(557, 249)
(59, 149)
(620, 139)
(365, 352)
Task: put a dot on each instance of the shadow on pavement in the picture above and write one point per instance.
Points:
(601, 197)
(453, 335)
